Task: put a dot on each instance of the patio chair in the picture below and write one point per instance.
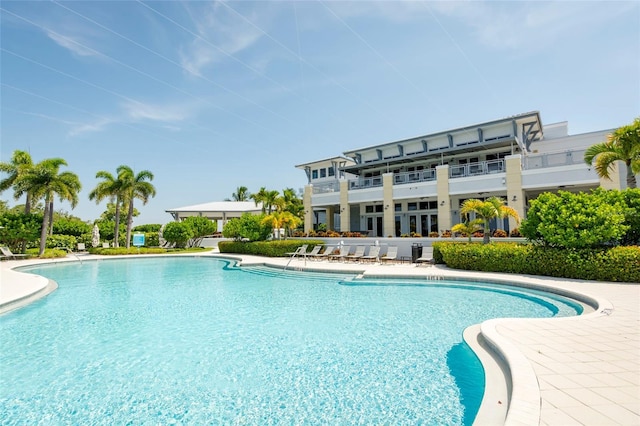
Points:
(314, 251)
(392, 254)
(82, 248)
(344, 252)
(427, 256)
(105, 245)
(328, 250)
(374, 252)
(299, 251)
(6, 252)
(356, 255)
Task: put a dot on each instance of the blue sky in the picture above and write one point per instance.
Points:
(210, 96)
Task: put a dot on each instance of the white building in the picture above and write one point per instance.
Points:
(418, 184)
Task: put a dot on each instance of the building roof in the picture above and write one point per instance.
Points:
(217, 209)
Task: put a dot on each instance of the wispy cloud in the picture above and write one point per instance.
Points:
(218, 34)
(138, 111)
(96, 126)
(76, 47)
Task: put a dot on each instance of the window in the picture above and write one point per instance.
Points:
(314, 174)
(368, 209)
(379, 208)
(412, 206)
(323, 173)
(397, 207)
(331, 171)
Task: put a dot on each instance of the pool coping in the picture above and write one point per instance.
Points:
(527, 402)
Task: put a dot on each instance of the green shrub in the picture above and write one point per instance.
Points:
(48, 253)
(71, 226)
(177, 233)
(200, 227)
(61, 241)
(602, 264)
(151, 227)
(277, 248)
(247, 227)
(576, 220)
(151, 239)
(20, 230)
(112, 251)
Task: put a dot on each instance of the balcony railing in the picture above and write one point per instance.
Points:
(537, 161)
(370, 182)
(412, 177)
(328, 187)
(476, 169)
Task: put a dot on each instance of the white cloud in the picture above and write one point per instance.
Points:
(96, 126)
(138, 111)
(76, 47)
(219, 33)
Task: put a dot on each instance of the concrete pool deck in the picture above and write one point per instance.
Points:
(581, 370)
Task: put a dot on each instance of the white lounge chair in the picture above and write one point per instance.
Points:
(356, 255)
(300, 251)
(6, 252)
(82, 248)
(344, 252)
(105, 245)
(314, 251)
(392, 254)
(427, 256)
(374, 253)
(328, 251)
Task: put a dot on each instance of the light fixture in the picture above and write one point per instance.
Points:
(442, 203)
(514, 198)
(342, 210)
(386, 207)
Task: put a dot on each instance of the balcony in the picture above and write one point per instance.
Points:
(413, 177)
(557, 159)
(476, 169)
(361, 183)
(324, 188)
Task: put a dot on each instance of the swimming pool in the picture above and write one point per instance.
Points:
(196, 341)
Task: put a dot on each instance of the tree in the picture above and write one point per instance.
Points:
(17, 169)
(241, 194)
(492, 208)
(112, 188)
(18, 229)
(200, 227)
(177, 233)
(46, 181)
(468, 227)
(135, 186)
(270, 200)
(621, 145)
(292, 203)
(248, 226)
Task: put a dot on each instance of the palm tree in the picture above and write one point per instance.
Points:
(270, 200)
(241, 194)
(492, 208)
(110, 188)
(292, 203)
(44, 180)
(135, 186)
(281, 219)
(621, 145)
(17, 168)
(468, 227)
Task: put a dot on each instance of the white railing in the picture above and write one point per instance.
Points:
(553, 159)
(412, 177)
(370, 182)
(476, 169)
(324, 188)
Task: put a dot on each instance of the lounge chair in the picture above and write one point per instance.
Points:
(344, 252)
(328, 251)
(314, 251)
(105, 245)
(356, 255)
(427, 256)
(6, 252)
(300, 251)
(392, 254)
(374, 253)
(82, 248)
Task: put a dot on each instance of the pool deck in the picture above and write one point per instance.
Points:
(581, 370)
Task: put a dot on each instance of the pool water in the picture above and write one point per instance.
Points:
(196, 341)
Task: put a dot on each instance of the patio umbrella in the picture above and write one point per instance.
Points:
(95, 237)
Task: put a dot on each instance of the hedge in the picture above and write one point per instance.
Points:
(278, 248)
(620, 264)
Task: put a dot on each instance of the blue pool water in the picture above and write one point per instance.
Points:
(195, 341)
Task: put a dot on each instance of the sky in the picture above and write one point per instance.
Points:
(210, 96)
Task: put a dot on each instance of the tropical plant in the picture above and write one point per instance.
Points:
(17, 168)
(110, 188)
(248, 226)
(46, 181)
(621, 145)
(292, 203)
(200, 227)
(468, 227)
(241, 194)
(582, 220)
(491, 208)
(270, 200)
(134, 186)
(71, 226)
(177, 233)
(18, 229)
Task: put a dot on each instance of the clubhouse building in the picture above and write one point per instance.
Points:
(417, 185)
